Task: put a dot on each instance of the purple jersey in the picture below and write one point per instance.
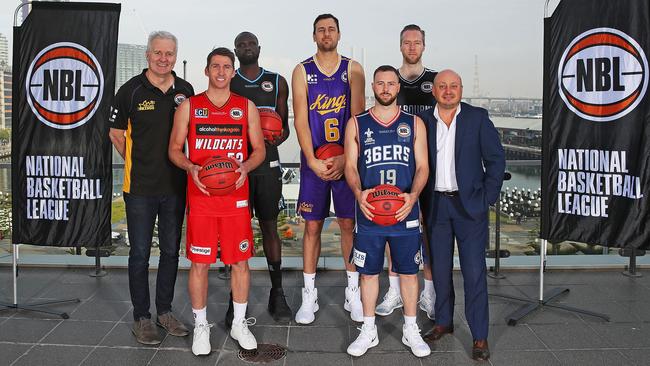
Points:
(328, 100)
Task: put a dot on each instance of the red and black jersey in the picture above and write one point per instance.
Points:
(217, 131)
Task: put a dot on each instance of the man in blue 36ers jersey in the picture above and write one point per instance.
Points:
(416, 83)
(327, 89)
(385, 145)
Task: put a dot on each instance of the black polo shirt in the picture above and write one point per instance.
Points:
(147, 115)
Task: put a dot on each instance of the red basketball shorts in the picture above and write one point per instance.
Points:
(232, 235)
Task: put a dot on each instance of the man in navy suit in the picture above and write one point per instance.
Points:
(467, 163)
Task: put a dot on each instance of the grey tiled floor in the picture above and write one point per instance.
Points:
(98, 331)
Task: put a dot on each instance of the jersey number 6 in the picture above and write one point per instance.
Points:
(332, 130)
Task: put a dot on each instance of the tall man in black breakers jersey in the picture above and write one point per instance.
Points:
(267, 90)
(141, 123)
(416, 83)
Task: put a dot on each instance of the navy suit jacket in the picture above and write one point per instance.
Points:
(480, 161)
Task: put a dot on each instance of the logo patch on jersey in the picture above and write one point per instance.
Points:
(236, 113)
(426, 87)
(413, 223)
(603, 75)
(201, 113)
(324, 104)
(359, 258)
(312, 79)
(179, 98)
(200, 250)
(369, 140)
(418, 258)
(219, 130)
(64, 85)
(241, 204)
(344, 76)
(114, 112)
(243, 246)
(306, 207)
(267, 86)
(147, 105)
(403, 130)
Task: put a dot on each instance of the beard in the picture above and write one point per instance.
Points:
(412, 61)
(385, 103)
(248, 59)
(327, 47)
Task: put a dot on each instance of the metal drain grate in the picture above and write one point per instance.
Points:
(263, 354)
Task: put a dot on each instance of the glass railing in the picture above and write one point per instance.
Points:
(520, 204)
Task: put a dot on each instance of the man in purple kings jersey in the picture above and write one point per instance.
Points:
(327, 89)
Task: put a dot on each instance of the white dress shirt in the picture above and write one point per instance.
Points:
(445, 156)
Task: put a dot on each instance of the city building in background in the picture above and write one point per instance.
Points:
(4, 52)
(130, 62)
(5, 97)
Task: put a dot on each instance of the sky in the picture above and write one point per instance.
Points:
(506, 36)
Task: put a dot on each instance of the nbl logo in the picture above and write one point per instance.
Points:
(64, 85)
(603, 75)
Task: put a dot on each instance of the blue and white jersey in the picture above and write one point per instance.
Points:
(387, 156)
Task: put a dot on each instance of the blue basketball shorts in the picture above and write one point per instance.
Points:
(368, 253)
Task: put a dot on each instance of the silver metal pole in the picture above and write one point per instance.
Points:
(16, 13)
(15, 273)
(542, 264)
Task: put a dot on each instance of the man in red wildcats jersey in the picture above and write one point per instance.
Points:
(218, 123)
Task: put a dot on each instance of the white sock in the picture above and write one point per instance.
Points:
(408, 320)
(310, 279)
(394, 282)
(239, 312)
(369, 321)
(353, 279)
(200, 316)
(428, 287)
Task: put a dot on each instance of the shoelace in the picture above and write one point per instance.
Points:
(204, 327)
(365, 332)
(391, 292)
(413, 334)
(248, 322)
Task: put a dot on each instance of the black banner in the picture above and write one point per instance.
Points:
(63, 82)
(596, 138)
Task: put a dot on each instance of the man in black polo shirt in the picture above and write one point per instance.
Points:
(142, 117)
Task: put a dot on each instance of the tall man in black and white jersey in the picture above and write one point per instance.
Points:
(266, 89)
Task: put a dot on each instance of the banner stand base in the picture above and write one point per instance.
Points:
(544, 299)
(534, 305)
(633, 274)
(34, 307)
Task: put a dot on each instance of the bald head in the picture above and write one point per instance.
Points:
(448, 89)
(245, 34)
(247, 48)
(448, 74)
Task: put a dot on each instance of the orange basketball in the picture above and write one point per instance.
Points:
(385, 201)
(271, 123)
(219, 175)
(328, 150)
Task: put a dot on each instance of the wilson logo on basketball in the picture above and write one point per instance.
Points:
(64, 85)
(383, 192)
(603, 75)
(219, 165)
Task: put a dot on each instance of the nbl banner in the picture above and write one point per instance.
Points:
(596, 131)
(63, 82)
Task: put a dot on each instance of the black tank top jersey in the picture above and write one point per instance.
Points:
(415, 95)
(263, 91)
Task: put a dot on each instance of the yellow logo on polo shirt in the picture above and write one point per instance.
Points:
(147, 105)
